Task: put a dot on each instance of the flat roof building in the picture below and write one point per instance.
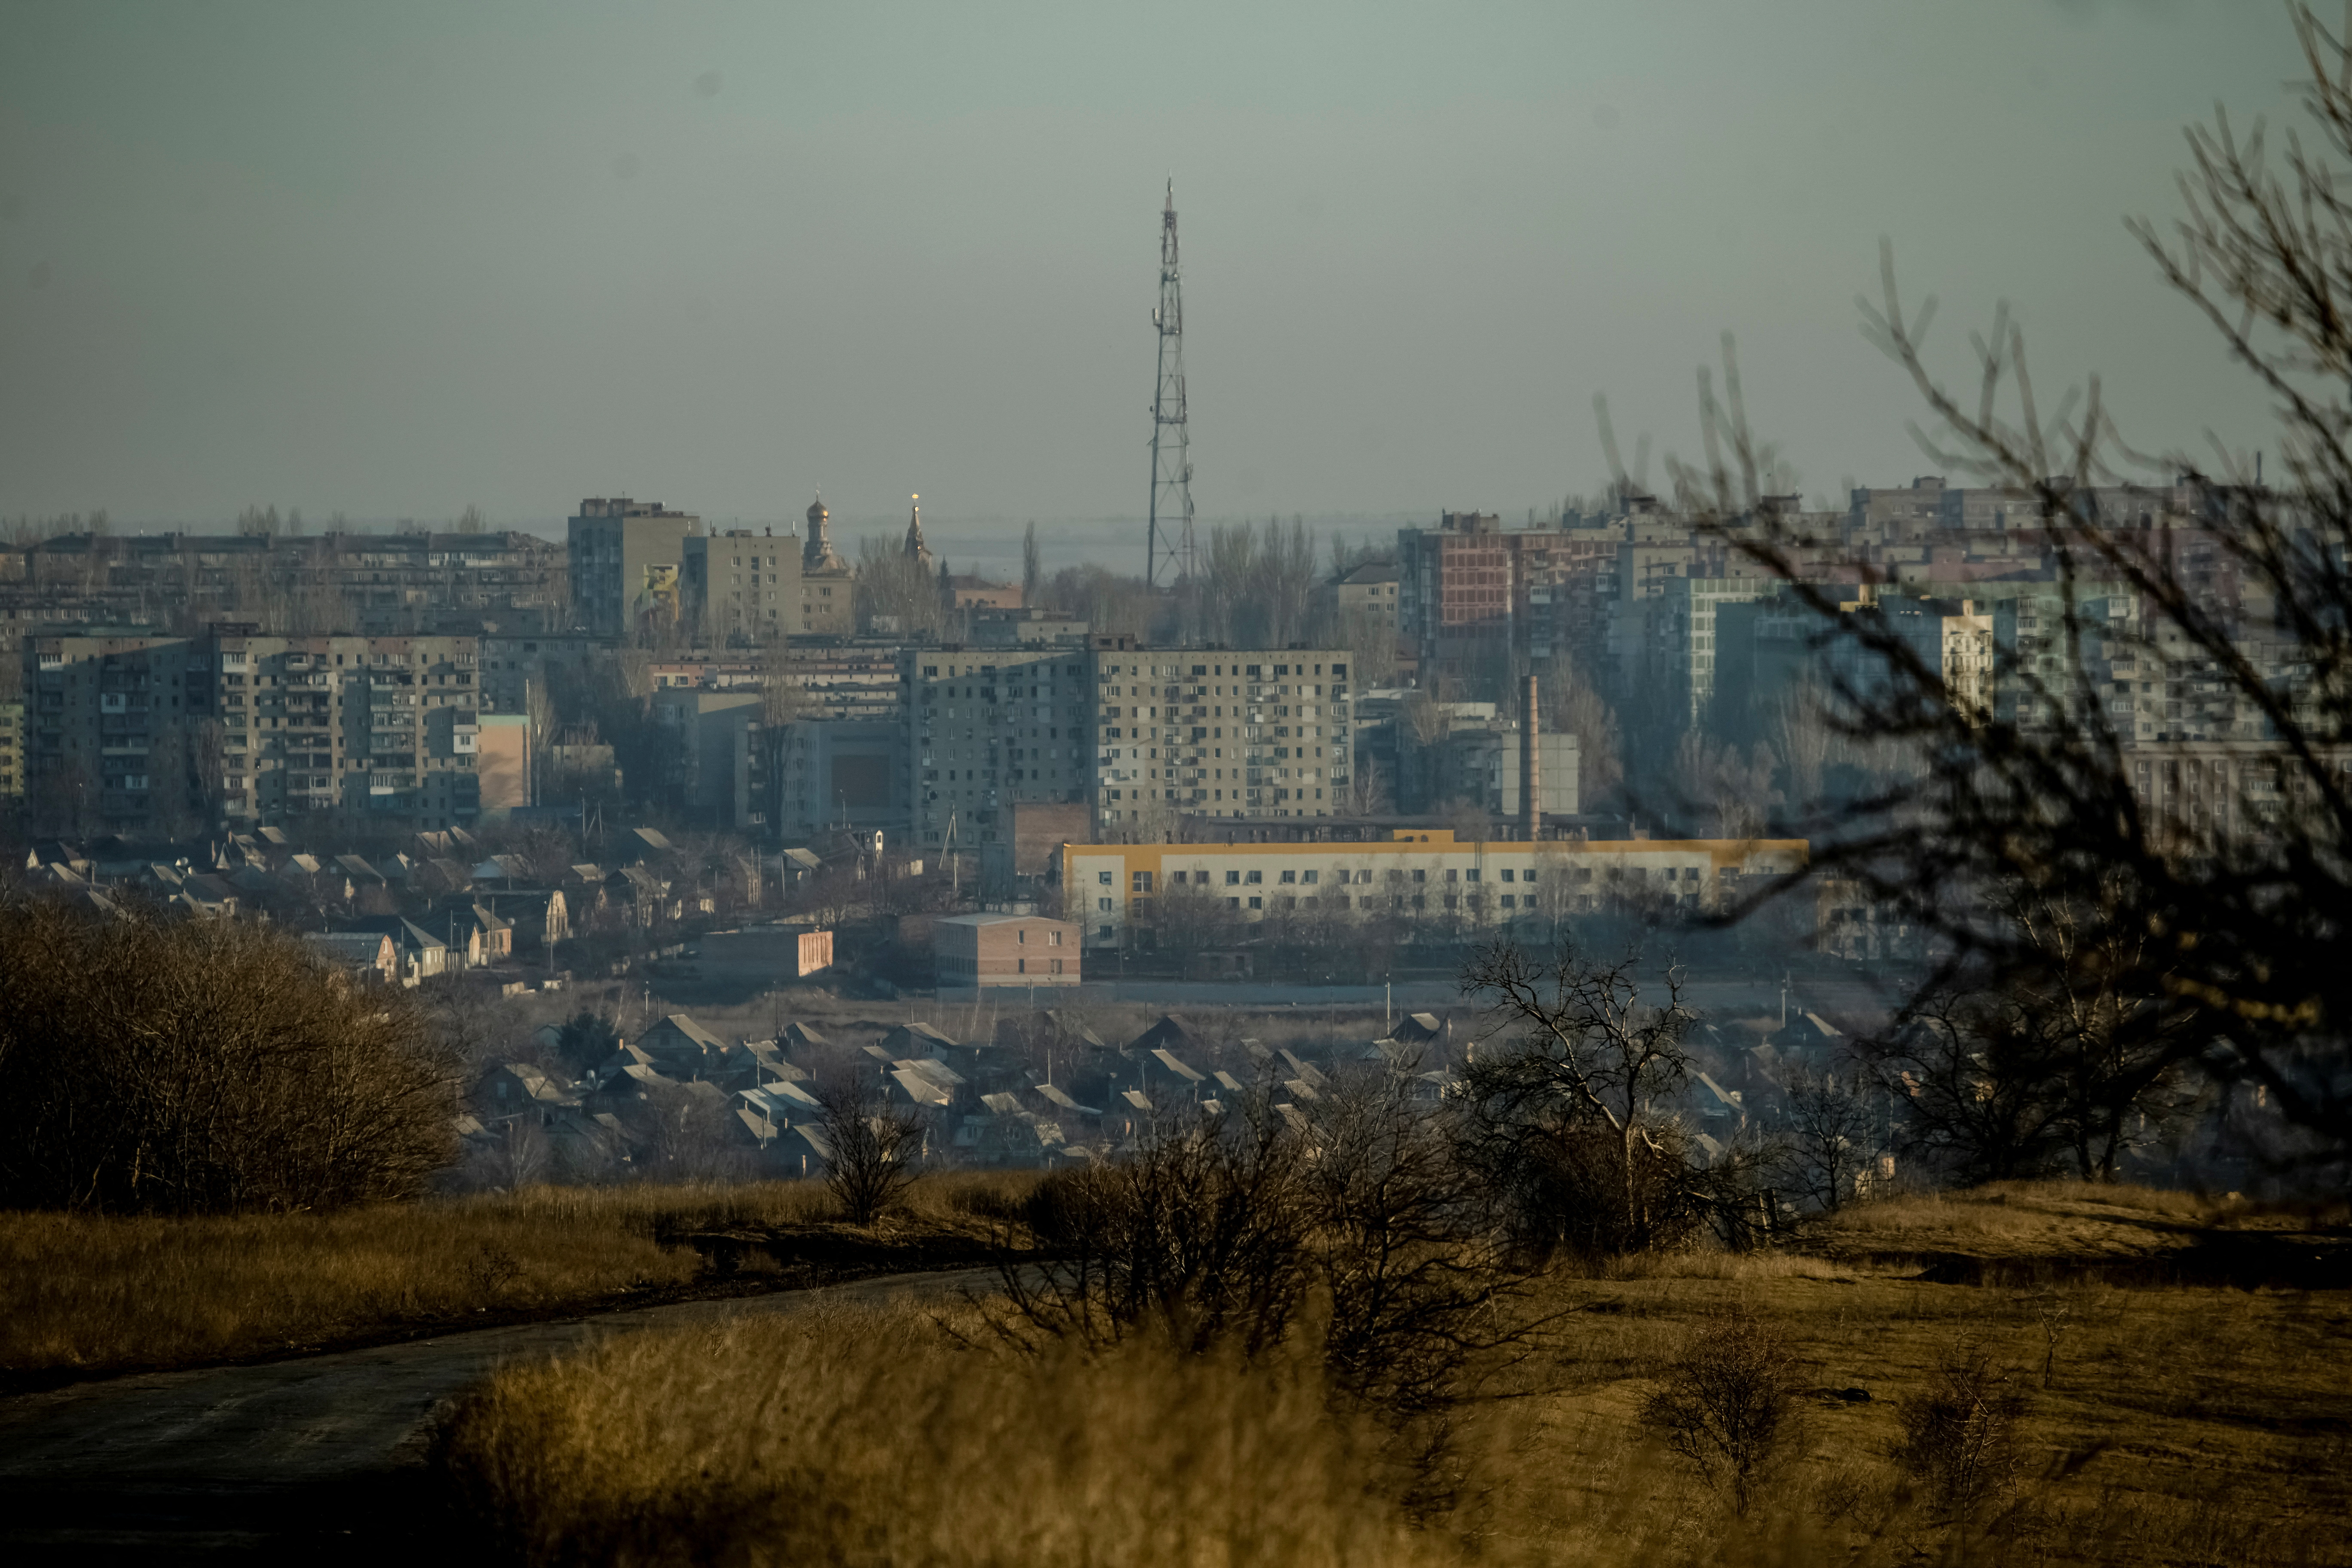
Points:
(972, 953)
(1419, 875)
(627, 559)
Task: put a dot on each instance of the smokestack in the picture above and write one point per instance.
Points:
(1530, 767)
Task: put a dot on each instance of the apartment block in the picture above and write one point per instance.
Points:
(12, 754)
(718, 763)
(1218, 733)
(627, 559)
(1123, 892)
(168, 735)
(842, 774)
(987, 727)
(511, 665)
(1368, 589)
(743, 588)
(371, 584)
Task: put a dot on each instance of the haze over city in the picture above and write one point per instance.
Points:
(393, 262)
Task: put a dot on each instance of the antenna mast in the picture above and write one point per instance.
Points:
(1168, 558)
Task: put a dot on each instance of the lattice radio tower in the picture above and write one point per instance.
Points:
(1168, 544)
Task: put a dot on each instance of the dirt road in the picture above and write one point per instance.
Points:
(318, 1459)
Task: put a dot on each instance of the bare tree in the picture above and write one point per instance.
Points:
(1731, 791)
(1581, 1048)
(2214, 585)
(874, 1149)
(1825, 1145)
(1579, 711)
(1804, 742)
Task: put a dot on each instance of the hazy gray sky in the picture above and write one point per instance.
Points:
(392, 259)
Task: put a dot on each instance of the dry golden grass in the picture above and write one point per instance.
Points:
(92, 1293)
(2040, 1217)
(2179, 1426)
(871, 1436)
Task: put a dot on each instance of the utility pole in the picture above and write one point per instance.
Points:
(1168, 542)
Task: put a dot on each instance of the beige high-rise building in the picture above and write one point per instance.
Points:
(627, 562)
(743, 588)
(1144, 735)
(1232, 732)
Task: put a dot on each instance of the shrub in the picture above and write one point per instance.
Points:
(1960, 1436)
(1725, 1402)
(206, 1066)
(1350, 1218)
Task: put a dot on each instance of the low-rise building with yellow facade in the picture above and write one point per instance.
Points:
(1416, 874)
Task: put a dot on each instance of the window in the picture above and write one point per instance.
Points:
(1470, 874)
(1258, 903)
(1310, 876)
(1290, 876)
(1508, 874)
(1104, 905)
(1254, 878)
(1233, 879)
(1103, 877)
(1053, 939)
(1140, 882)
(1421, 875)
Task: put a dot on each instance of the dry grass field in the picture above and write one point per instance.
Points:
(91, 1294)
(2159, 1424)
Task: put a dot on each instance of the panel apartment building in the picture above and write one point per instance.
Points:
(371, 584)
(159, 736)
(1219, 732)
(627, 561)
(1144, 735)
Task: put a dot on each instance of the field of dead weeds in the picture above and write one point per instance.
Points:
(2048, 1231)
(2007, 1420)
(84, 1295)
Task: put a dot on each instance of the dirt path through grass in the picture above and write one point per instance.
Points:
(316, 1459)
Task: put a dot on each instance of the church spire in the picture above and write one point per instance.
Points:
(916, 548)
(816, 551)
